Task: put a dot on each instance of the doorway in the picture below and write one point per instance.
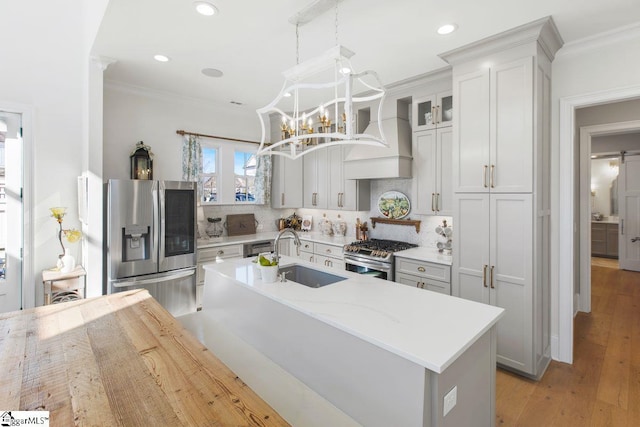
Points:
(600, 163)
(11, 211)
(567, 246)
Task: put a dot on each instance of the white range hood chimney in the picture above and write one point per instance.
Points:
(368, 162)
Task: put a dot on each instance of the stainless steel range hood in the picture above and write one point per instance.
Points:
(368, 162)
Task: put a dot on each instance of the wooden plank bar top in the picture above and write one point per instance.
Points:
(119, 360)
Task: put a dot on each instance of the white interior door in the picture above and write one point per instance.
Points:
(11, 212)
(629, 205)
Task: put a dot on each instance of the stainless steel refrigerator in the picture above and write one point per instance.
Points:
(151, 239)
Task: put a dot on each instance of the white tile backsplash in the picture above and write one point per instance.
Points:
(268, 218)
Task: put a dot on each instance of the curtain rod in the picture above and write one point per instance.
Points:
(184, 132)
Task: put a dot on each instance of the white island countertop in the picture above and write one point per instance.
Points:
(427, 328)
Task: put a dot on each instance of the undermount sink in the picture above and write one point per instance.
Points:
(309, 276)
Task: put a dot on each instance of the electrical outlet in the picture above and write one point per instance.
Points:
(450, 400)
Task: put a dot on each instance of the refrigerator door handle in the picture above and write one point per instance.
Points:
(158, 212)
(156, 279)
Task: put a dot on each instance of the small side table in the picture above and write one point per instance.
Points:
(61, 287)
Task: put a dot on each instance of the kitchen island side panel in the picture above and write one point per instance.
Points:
(370, 384)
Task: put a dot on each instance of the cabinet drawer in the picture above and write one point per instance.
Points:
(209, 255)
(330, 262)
(428, 270)
(228, 251)
(306, 246)
(422, 283)
(328, 250)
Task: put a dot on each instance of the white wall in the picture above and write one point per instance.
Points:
(45, 68)
(133, 114)
(592, 67)
(616, 143)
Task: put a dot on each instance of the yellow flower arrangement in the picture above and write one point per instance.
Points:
(72, 235)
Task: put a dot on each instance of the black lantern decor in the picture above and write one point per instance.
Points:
(141, 162)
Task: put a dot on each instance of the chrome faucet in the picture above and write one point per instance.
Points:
(277, 241)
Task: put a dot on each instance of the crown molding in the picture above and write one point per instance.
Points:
(598, 41)
(542, 31)
(421, 79)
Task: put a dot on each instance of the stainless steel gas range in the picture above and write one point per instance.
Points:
(373, 257)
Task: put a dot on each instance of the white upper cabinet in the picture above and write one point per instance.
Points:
(345, 194)
(286, 183)
(286, 178)
(432, 166)
(433, 111)
(493, 147)
(315, 179)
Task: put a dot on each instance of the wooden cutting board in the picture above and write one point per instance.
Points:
(241, 224)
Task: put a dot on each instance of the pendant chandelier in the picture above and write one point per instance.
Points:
(316, 106)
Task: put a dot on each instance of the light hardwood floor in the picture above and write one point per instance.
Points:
(602, 387)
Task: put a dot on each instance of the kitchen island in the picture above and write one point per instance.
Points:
(383, 353)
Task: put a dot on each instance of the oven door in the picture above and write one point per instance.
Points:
(373, 268)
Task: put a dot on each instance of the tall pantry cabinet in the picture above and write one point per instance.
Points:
(501, 166)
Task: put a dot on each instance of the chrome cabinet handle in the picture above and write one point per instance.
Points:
(421, 269)
(484, 276)
(437, 202)
(328, 251)
(492, 267)
(220, 253)
(434, 111)
(433, 195)
(314, 199)
(484, 176)
(493, 174)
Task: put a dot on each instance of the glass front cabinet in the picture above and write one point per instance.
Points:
(434, 111)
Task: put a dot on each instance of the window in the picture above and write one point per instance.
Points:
(244, 168)
(209, 176)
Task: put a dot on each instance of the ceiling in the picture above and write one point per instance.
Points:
(252, 42)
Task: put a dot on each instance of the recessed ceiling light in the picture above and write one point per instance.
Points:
(205, 8)
(447, 29)
(345, 70)
(287, 95)
(212, 72)
(161, 58)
